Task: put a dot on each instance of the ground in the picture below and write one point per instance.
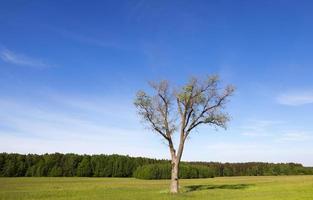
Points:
(234, 188)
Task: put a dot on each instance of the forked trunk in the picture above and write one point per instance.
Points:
(174, 177)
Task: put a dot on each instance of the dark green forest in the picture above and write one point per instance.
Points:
(163, 171)
(69, 165)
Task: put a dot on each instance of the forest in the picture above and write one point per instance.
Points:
(71, 165)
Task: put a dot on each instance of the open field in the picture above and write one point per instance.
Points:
(241, 188)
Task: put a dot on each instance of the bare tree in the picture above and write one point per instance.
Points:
(180, 111)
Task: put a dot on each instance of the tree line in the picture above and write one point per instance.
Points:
(69, 165)
(163, 171)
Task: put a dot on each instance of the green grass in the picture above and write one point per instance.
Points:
(226, 188)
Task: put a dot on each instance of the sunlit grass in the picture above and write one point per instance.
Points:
(235, 188)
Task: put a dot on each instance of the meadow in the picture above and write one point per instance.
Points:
(221, 188)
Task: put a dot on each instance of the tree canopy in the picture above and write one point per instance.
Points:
(69, 165)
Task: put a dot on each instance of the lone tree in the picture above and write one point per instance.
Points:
(171, 111)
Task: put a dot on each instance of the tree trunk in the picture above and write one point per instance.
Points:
(174, 177)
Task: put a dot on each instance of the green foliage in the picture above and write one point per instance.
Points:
(13, 165)
(163, 171)
(55, 171)
(70, 164)
(84, 167)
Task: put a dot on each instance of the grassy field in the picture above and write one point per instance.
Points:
(243, 188)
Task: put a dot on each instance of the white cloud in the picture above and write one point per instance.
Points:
(22, 60)
(296, 98)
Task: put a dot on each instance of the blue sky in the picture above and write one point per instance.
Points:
(69, 72)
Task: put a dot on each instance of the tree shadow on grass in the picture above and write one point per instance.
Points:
(191, 188)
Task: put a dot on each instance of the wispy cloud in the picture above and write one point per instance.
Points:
(72, 123)
(296, 136)
(22, 60)
(96, 105)
(85, 126)
(60, 119)
(296, 98)
(254, 128)
(105, 42)
(276, 130)
(253, 151)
